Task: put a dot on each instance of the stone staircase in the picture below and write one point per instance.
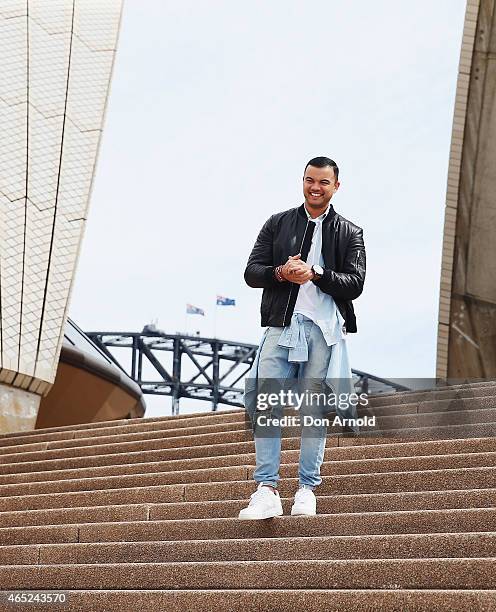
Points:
(141, 514)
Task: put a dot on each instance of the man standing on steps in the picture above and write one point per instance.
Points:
(310, 262)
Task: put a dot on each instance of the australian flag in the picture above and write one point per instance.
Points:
(190, 309)
(225, 301)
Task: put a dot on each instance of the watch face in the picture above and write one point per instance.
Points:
(318, 270)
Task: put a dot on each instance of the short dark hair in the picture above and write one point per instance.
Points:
(322, 162)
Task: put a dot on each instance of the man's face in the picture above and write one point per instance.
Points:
(319, 185)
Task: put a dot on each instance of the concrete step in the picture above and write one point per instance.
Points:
(117, 458)
(335, 504)
(160, 434)
(118, 423)
(432, 420)
(151, 431)
(369, 523)
(409, 403)
(70, 516)
(314, 574)
(124, 447)
(129, 427)
(326, 504)
(136, 457)
(231, 422)
(423, 521)
(363, 523)
(155, 461)
(428, 432)
(167, 475)
(452, 545)
(216, 474)
(386, 482)
(450, 392)
(481, 389)
(445, 405)
(425, 480)
(407, 513)
(143, 429)
(277, 600)
(426, 407)
(433, 402)
(473, 423)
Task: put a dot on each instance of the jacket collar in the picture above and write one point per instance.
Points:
(330, 215)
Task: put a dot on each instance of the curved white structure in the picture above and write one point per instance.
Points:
(57, 58)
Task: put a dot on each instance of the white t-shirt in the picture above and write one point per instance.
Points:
(311, 301)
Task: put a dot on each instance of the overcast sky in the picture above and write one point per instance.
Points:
(214, 110)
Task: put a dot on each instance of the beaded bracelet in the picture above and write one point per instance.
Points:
(278, 274)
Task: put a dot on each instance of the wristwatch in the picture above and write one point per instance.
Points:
(318, 272)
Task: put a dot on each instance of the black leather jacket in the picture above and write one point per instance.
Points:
(289, 233)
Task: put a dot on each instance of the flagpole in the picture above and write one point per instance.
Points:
(215, 318)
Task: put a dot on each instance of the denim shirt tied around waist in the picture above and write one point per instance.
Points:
(338, 378)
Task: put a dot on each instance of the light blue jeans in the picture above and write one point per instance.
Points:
(273, 365)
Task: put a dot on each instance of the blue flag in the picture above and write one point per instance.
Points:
(225, 301)
(190, 309)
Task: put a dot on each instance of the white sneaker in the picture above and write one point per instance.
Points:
(263, 504)
(305, 503)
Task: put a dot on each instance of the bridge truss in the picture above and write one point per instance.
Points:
(194, 367)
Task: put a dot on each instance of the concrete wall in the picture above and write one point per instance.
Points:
(467, 309)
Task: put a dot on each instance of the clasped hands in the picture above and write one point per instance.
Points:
(296, 271)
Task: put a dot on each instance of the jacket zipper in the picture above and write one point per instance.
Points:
(291, 288)
(357, 260)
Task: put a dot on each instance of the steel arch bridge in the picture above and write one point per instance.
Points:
(194, 367)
